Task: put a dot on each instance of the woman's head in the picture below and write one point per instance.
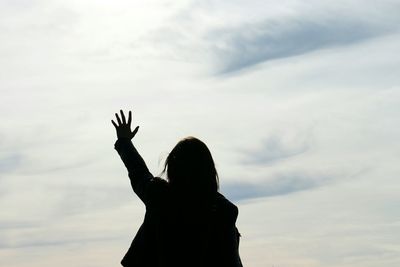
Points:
(190, 167)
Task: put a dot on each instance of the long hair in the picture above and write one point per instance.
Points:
(190, 168)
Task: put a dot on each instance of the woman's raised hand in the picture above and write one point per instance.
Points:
(124, 127)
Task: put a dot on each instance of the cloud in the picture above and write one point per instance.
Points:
(275, 148)
(48, 242)
(232, 41)
(85, 199)
(10, 162)
(282, 184)
(17, 224)
(51, 167)
(248, 45)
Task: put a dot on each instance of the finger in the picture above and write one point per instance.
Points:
(129, 118)
(135, 131)
(118, 119)
(123, 117)
(115, 125)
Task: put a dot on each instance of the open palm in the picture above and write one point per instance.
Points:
(124, 127)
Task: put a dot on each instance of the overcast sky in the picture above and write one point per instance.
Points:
(298, 101)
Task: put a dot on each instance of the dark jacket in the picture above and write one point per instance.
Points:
(178, 230)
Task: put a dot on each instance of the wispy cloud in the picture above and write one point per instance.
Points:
(84, 199)
(48, 242)
(281, 184)
(17, 224)
(248, 45)
(275, 148)
(10, 162)
(231, 46)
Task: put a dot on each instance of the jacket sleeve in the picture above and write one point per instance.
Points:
(138, 172)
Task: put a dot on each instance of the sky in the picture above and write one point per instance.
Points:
(298, 101)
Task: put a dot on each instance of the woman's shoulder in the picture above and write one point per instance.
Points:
(222, 200)
(226, 208)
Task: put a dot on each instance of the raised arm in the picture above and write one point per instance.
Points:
(139, 174)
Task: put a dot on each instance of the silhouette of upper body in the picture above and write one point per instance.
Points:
(181, 226)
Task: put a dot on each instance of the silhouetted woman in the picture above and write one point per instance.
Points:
(187, 222)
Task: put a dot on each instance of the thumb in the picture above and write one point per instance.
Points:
(135, 131)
